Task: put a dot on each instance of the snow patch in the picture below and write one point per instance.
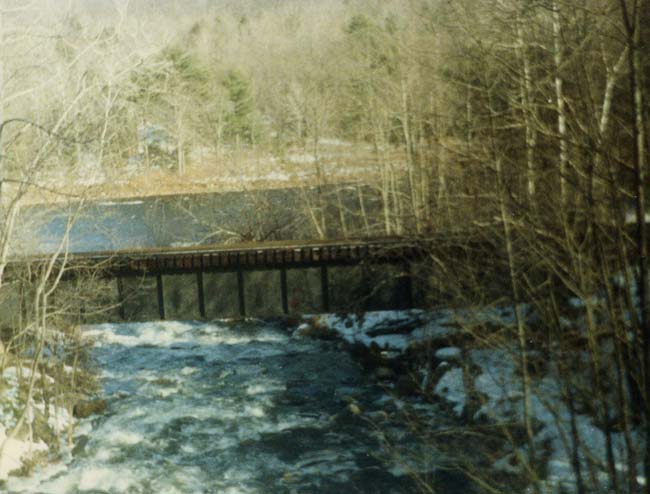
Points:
(448, 353)
(14, 452)
(452, 388)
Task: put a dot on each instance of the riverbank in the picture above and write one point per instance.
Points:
(43, 391)
(458, 359)
(33, 430)
(23, 443)
(246, 170)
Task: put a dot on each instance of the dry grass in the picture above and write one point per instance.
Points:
(233, 171)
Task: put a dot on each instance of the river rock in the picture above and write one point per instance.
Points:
(316, 331)
(448, 354)
(384, 373)
(80, 445)
(369, 357)
(85, 409)
(406, 386)
(395, 326)
(351, 414)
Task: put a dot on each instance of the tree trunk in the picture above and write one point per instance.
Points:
(560, 106)
(408, 146)
(180, 141)
(632, 23)
(527, 109)
(362, 208)
(2, 105)
(385, 179)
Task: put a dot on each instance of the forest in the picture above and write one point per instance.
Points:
(522, 122)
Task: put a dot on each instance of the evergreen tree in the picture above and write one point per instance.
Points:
(239, 121)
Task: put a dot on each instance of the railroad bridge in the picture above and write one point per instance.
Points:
(245, 257)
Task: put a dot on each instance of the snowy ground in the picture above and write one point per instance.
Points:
(22, 447)
(498, 383)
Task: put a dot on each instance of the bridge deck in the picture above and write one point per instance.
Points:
(253, 256)
(246, 256)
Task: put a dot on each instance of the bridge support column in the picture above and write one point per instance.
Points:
(161, 296)
(120, 298)
(325, 288)
(241, 293)
(284, 291)
(405, 287)
(201, 294)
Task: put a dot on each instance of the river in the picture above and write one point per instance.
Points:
(239, 407)
(161, 221)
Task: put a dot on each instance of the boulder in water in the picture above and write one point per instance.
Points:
(406, 386)
(384, 373)
(316, 330)
(369, 357)
(85, 409)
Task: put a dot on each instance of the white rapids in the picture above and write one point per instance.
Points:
(222, 408)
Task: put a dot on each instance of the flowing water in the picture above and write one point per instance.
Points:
(227, 408)
(181, 220)
(220, 407)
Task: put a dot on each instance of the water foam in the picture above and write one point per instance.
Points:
(197, 408)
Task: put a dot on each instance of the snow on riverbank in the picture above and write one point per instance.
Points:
(502, 387)
(20, 446)
(497, 381)
(397, 330)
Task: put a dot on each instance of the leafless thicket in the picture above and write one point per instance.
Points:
(551, 122)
